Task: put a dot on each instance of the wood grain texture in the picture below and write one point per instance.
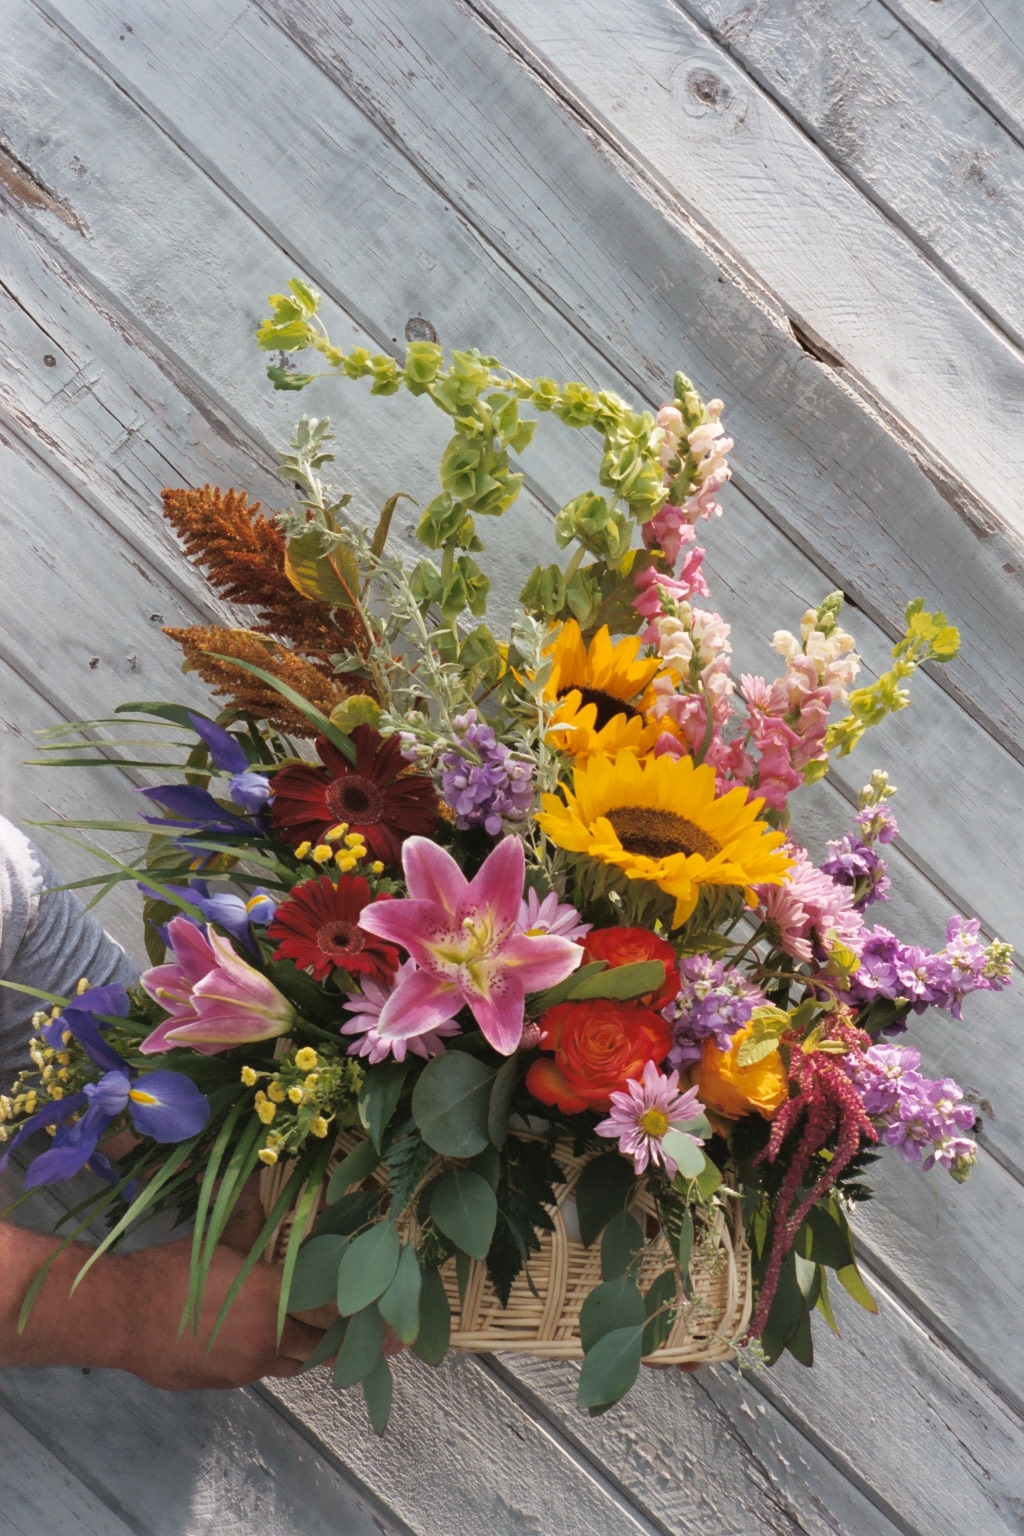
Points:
(891, 117)
(983, 42)
(837, 265)
(41, 1497)
(811, 458)
(627, 278)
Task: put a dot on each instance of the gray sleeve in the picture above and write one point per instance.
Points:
(47, 940)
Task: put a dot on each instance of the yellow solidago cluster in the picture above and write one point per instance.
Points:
(55, 1073)
(352, 851)
(304, 1094)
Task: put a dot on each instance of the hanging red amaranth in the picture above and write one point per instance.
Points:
(827, 1099)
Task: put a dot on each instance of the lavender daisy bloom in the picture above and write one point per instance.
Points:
(550, 916)
(365, 1006)
(643, 1115)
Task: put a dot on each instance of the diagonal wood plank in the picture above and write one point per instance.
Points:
(41, 1497)
(837, 265)
(983, 42)
(786, 411)
(911, 138)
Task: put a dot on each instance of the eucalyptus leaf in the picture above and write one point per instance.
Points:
(353, 1169)
(315, 1280)
(465, 1209)
(379, 1095)
(560, 991)
(611, 1367)
(849, 1278)
(450, 1103)
(620, 982)
(603, 1189)
(400, 1303)
(661, 1295)
(367, 1267)
(613, 1304)
(361, 1350)
(378, 1390)
(685, 1153)
(435, 1320)
(500, 1106)
(348, 1214)
(621, 1243)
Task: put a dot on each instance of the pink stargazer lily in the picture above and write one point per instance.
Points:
(463, 936)
(214, 999)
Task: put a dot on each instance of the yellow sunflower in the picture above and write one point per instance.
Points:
(600, 692)
(658, 819)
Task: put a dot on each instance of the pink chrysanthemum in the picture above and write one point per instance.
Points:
(645, 1112)
(365, 1006)
(810, 908)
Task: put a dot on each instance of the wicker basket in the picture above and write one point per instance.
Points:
(564, 1272)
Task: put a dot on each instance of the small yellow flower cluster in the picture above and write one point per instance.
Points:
(304, 1094)
(50, 1078)
(351, 853)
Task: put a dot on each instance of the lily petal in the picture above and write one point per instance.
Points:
(419, 1003)
(500, 1013)
(431, 874)
(411, 923)
(158, 1042)
(541, 960)
(497, 886)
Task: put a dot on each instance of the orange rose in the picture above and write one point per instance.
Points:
(733, 1090)
(627, 946)
(598, 1046)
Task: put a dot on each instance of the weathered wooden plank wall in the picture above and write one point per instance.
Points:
(815, 210)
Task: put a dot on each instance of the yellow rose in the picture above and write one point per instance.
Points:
(733, 1090)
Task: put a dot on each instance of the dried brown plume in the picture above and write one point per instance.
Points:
(248, 692)
(243, 559)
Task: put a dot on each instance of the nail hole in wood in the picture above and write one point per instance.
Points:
(49, 360)
(418, 329)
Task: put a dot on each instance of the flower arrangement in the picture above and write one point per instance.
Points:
(433, 913)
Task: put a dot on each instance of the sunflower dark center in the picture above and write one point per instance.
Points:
(340, 939)
(659, 834)
(608, 706)
(356, 800)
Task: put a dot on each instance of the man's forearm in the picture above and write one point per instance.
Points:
(86, 1328)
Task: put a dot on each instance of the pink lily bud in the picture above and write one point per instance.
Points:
(215, 1000)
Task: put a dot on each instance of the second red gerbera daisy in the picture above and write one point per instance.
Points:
(375, 796)
(317, 926)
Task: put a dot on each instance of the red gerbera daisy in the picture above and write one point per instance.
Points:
(317, 926)
(376, 796)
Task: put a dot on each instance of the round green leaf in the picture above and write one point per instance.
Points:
(353, 1169)
(611, 1367)
(614, 1304)
(400, 1303)
(435, 1320)
(379, 1096)
(450, 1104)
(500, 1106)
(621, 1242)
(361, 1349)
(466, 1210)
(684, 1153)
(315, 1280)
(603, 1189)
(367, 1267)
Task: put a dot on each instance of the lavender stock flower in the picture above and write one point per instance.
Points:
(712, 1000)
(922, 1118)
(491, 790)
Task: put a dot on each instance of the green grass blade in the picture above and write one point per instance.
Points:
(313, 715)
(191, 1312)
(139, 1204)
(268, 1228)
(302, 1210)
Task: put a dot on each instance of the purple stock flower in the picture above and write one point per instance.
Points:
(877, 824)
(861, 867)
(712, 1000)
(889, 969)
(494, 788)
(922, 1118)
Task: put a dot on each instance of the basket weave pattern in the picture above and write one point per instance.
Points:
(564, 1272)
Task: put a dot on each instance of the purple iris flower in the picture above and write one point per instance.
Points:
(249, 790)
(166, 1106)
(233, 913)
